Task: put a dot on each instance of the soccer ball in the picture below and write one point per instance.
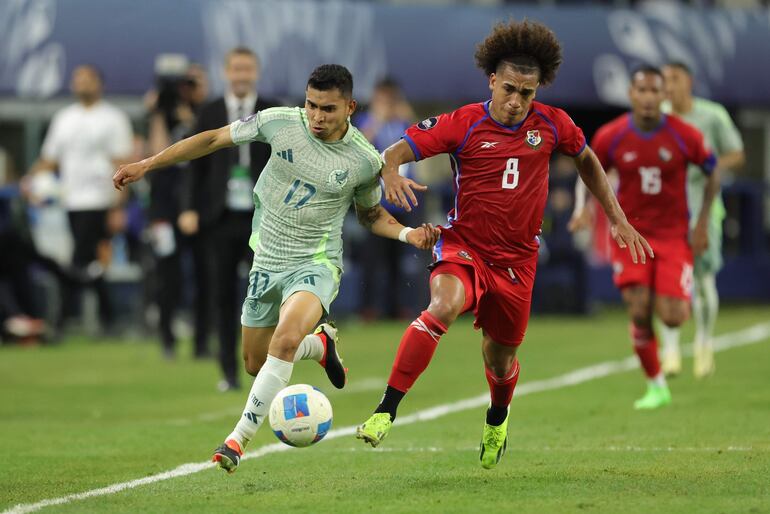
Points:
(300, 415)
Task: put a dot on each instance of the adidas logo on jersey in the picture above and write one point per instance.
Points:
(285, 154)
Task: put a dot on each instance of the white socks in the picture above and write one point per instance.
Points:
(658, 380)
(670, 338)
(310, 348)
(705, 308)
(273, 377)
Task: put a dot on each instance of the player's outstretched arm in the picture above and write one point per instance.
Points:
(700, 238)
(381, 223)
(595, 179)
(184, 150)
(398, 189)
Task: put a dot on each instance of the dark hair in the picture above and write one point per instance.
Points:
(332, 76)
(647, 69)
(241, 50)
(682, 66)
(527, 46)
(388, 83)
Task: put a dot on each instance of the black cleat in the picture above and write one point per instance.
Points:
(331, 360)
(228, 456)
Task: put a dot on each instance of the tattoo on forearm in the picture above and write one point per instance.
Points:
(368, 217)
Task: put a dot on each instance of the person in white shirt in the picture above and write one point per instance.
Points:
(85, 142)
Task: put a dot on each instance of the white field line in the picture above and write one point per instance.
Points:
(753, 334)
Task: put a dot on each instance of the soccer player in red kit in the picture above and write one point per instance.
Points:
(650, 152)
(485, 258)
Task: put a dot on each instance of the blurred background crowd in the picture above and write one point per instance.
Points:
(169, 258)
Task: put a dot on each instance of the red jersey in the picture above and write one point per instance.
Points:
(653, 171)
(500, 174)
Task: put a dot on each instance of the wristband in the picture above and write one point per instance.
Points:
(403, 233)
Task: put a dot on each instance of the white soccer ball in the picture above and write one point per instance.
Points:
(300, 415)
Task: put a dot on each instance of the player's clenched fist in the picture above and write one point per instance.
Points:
(424, 237)
(129, 173)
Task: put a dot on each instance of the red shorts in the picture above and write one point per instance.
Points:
(668, 274)
(499, 297)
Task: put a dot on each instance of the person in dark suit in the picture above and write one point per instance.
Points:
(221, 200)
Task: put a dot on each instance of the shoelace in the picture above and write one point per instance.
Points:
(492, 438)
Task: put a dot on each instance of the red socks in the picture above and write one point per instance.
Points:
(501, 389)
(415, 351)
(646, 347)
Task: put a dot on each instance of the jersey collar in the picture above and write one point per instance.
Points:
(651, 133)
(507, 127)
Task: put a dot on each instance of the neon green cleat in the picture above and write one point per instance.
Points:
(374, 429)
(494, 441)
(656, 396)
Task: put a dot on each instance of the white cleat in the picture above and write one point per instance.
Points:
(703, 361)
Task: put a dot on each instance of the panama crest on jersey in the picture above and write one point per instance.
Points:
(533, 138)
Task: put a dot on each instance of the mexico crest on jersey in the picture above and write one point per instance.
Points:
(533, 138)
(337, 179)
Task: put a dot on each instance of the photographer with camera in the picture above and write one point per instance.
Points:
(172, 110)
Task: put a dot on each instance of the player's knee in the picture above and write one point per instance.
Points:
(285, 344)
(444, 311)
(673, 318)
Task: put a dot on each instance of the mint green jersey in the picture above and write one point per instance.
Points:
(721, 136)
(305, 189)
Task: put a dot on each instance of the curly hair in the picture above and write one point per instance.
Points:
(525, 45)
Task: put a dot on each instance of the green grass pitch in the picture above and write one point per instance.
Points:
(82, 416)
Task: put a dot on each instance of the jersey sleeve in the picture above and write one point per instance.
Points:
(369, 192)
(437, 135)
(600, 144)
(571, 138)
(53, 145)
(728, 139)
(262, 125)
(699, 153)
(121, 142)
